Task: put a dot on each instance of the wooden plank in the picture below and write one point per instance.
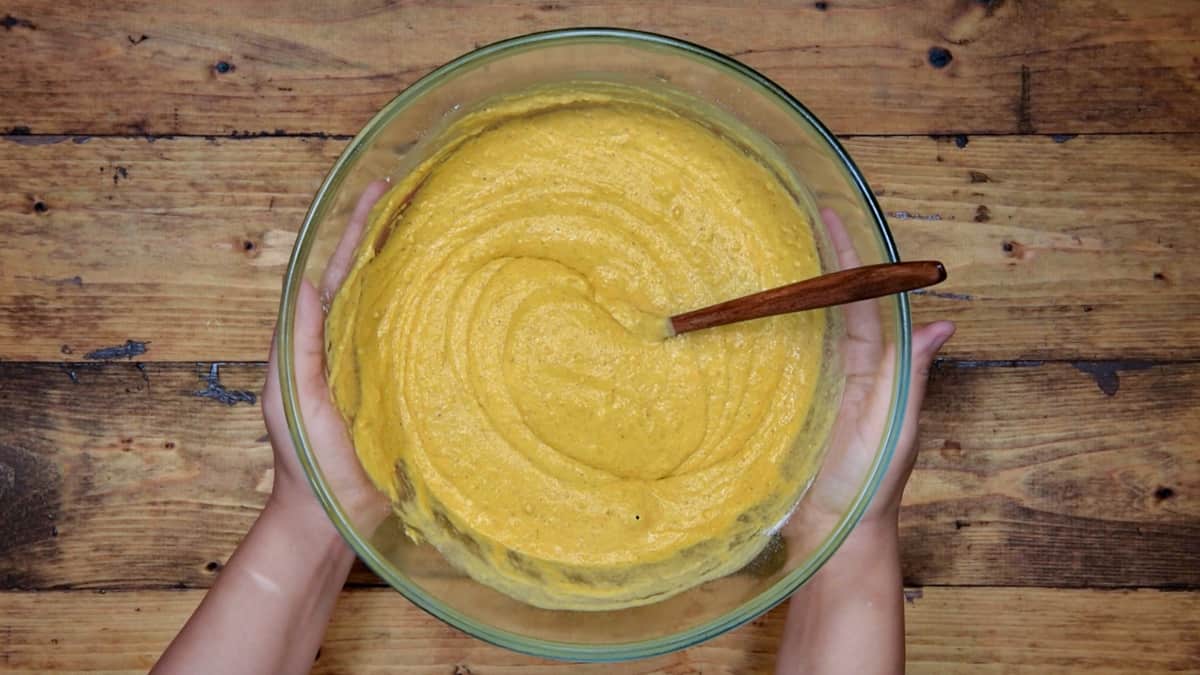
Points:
(1056, 248)
(181, 243)
(1057, 475)
(119, 475)
(950, 630)
(864, 66)
(985, 630)
(1074, 250)
(1028, 476)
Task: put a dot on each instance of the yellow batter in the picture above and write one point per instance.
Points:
(497, 349)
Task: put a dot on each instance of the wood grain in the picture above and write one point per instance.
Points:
(180, 243)
(1055, 249)
(950, 630)
(1058, 444)
(1027, 476)
(864, 66)
(1083, 474)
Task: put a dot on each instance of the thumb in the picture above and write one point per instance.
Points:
(927, 340)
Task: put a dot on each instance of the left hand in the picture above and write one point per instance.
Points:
(364, 504)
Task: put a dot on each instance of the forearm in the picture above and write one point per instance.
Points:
(850, 617)
(268, 610)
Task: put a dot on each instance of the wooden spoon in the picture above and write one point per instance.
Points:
(827, 290)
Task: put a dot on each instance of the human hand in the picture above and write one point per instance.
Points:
(364, 504)
(268, 609)
(868, 364)
(855, 599)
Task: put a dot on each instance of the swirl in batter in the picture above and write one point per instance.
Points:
(498, 349)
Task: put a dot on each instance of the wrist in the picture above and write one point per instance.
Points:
(305, 526)
(872, 550)
(854, 600)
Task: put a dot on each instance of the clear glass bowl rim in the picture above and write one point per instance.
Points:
(368, 554)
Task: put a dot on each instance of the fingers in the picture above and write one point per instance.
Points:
(843, 246)
(864, 333)
(343, 255)
(309, 338)
(309, 333)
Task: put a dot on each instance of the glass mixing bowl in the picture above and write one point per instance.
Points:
(868, 341)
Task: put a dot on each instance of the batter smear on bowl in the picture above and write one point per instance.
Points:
(498, 350)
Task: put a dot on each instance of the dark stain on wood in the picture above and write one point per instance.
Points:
(10, 22)
(965, 297)
(912, 595)
(982, 214)
(141, 368)
(31, 140)
(130, 349)
(223, 67)
(1025, 102)
(216, 391)
(1014, 249)
(979, 177)
(30, 499)
(961, 141)
(462, 669)
(821, 6)
(968, 364)
(1014, 544)
(29, 315)
(1163, 493)
(246, 134)
(990, 6)
(1106, 373)
(141, 127)
(1062, 138)
(138, 40)
(40, 207)
(112, 451)
(119, 173)
(906, 215)
(939, 57)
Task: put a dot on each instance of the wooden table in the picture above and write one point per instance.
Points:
(158, 157)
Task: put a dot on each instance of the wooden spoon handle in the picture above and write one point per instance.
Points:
(827, 290)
